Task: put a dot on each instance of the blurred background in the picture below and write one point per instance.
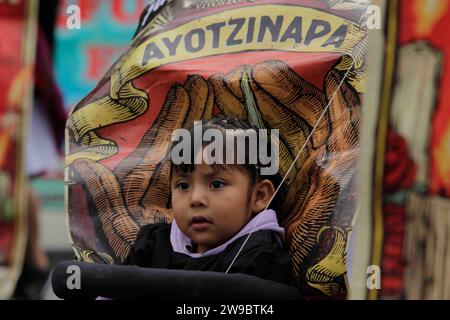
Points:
(70, 44)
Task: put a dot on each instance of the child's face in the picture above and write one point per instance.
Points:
(211, 205)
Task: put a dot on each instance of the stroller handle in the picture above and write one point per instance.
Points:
(80, 280)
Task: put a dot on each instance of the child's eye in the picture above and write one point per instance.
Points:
(183, 186)
(216, 184)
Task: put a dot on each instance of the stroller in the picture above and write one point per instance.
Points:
(175, 72)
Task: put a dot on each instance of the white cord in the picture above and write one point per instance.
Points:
(293, 163)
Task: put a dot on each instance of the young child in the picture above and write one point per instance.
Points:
(216, 207)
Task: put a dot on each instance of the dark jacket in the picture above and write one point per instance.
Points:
(262, 255)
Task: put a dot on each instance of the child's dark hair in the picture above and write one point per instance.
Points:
(254, 170)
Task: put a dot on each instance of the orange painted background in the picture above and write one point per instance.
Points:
(429, 20)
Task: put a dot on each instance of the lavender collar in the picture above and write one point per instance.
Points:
(266, 220)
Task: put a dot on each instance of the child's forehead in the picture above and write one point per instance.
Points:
(207, 170)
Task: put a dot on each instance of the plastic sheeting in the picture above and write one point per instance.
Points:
(297, 66)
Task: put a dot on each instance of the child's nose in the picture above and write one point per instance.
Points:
(198, 197)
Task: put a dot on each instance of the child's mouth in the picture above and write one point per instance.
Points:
(199, 223)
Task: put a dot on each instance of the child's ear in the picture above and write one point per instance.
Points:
(262, 194)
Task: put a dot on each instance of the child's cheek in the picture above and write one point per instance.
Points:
(177, 203)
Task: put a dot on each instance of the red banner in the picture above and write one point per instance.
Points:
(17, 31)
(406, 170)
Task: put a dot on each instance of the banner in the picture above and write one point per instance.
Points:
(404, 224)
(297, 66)
(17, 53)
